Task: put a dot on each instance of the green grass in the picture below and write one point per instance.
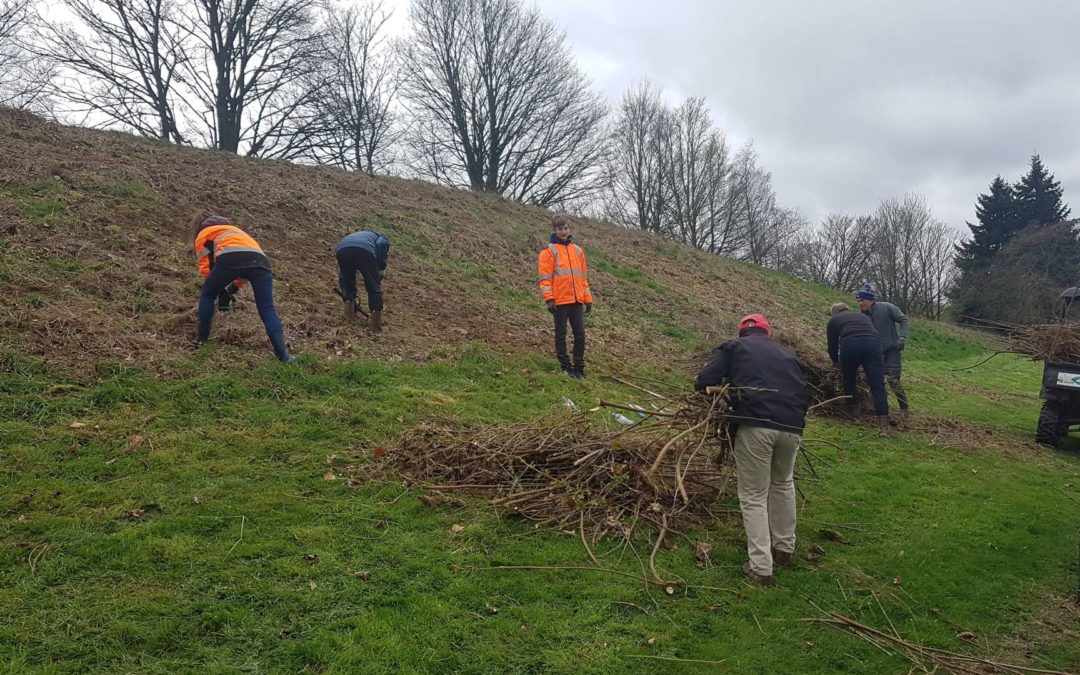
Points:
(41, 202)
(598, 261)
(230, 473)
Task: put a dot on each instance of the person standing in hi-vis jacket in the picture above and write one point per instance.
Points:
(564, 283)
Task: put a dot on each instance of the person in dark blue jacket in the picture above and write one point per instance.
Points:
(768, 405)
(854, 343)
(364, 252)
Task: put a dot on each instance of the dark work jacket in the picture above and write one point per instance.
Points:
(769, 381)
(848, 324)
(375, 243)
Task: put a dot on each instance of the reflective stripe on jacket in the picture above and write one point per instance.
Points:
(564, 277)
(219, 239)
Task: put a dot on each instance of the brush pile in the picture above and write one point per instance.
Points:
(667, 469)
(1057, 342)
(1047, 342)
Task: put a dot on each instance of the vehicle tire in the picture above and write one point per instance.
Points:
(1050, 428)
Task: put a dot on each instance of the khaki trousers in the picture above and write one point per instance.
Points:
(765, 467)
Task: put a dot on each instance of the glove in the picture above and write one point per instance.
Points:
(588, 308)
(232, 289)
(551, 306)
(903, 341)
(224, 301)
(382, 274)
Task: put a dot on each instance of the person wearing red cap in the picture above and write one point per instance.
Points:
(768, 410)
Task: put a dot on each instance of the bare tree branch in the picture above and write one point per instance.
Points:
(500, 105)
(25, 80)
(251, 74)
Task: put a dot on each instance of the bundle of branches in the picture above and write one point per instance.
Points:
(1048, 341)
(667, 469)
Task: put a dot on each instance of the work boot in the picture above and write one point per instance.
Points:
(883, 425)
(350, 311)
(375, 322)
(783, 558)
(755, 578)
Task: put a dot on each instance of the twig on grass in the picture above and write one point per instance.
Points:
(243, 521)
(672, 658)
(581, 531)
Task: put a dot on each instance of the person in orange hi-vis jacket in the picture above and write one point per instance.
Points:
(564, 282)
(227, 257)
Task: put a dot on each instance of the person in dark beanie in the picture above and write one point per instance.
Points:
(854, 343)
(769, 404)
(564, 284)
(886, 317)
(227, 258)
(366, 253)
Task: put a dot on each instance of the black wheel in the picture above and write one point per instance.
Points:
(1050, 427)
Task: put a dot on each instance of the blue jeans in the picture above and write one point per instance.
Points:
(262, 284)
(865, 352)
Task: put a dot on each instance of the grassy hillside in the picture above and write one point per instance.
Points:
(171, 510)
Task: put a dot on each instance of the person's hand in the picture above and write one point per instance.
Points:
(588, 308)
(903, 341)
(551, 306)
(382, 274)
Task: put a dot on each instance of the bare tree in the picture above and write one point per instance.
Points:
(837, 253)
(251, 73)
(24, 79)
(499, 103)
(356, 121)
(121, 61)
(910, 260)
(639, 160)
(697, 176)
(767, 225)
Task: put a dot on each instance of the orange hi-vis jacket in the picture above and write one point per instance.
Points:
(217, 240)
(564, 277)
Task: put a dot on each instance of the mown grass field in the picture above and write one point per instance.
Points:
(170, 511)
(244, 559)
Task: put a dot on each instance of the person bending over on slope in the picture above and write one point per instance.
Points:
(366, 253)
(854, 342)
(769, 406)
(564, 283)
(228, 257)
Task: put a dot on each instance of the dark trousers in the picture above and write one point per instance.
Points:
(262, 284)
(575, 312)
(351, 260)
(865, 352)
(892, 376)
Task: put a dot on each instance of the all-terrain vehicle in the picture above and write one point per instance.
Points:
(1061, 402)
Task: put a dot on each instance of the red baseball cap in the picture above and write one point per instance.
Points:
(755, 321)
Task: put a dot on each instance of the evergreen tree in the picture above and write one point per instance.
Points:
(997, 222)
(1039, 197)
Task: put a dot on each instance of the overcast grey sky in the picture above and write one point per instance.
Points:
(850, 101)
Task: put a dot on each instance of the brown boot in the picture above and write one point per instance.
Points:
(755, 578)
(883, 425)
(375, 322)
(350, 311)
(783, 558)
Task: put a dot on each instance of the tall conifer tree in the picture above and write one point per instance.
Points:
(997, 222)
(1039, 197)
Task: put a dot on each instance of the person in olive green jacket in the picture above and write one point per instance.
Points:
(886, 317)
